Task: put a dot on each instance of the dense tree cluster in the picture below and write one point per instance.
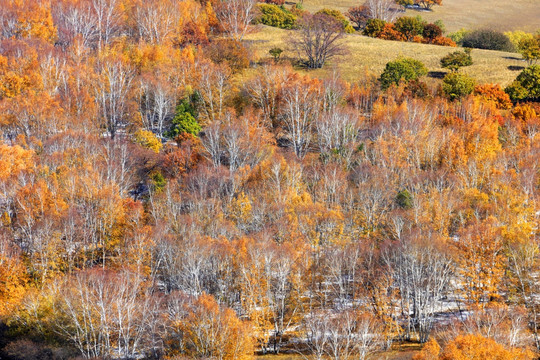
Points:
(407, 28)
(160, 200)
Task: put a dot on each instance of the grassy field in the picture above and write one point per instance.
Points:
(470, 14)
(371, 55)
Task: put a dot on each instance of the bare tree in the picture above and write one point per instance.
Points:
(8, 22)
(235, 16)
(343, 335)
(318, 39)
(76, 19)
(315, 329)
(342, 273)
(213, 85)
(264, 90)
(156, 20)
(300, 107)
(106, 314)
(211, 141)
(337, 131)
(112, 94)
(524, 259)
(382, 9)
(157, 100)
(108, 14)
(421, 275)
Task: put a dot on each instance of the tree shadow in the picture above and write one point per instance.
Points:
(437, 74)
(512, 58)
(516, 68)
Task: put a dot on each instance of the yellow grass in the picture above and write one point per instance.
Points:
(371, 55)
(470, 14)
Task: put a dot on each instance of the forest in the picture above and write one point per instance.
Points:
(170, 188)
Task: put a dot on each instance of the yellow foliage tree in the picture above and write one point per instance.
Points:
(35, 20)
(481, 259)
(13, 160)
(13, 281)
(211, 331)
(476, 347)
(430, 351)
(148, 140)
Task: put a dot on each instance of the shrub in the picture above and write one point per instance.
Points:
(488, 39)
(410, 26)
(417, 89)
(276, 53)
(426, 4)
(495, 94)
(374, 27)
(359, 15)
(456, 85)
(405, 3)
(517, 36)
(458, 36)
(336, 14)
(457, 59)
(443, 41)
(276, 16)
(432, 31)
(526, 85)
(230, 52)
(478, 347)
(441, 25)
(158, 182)
(419, 39)
(403, 69)
(390, 33)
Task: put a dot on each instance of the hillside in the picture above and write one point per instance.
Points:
(175, 183)
(469, 14)
(371, 55)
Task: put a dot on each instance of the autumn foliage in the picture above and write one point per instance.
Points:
(167, 192)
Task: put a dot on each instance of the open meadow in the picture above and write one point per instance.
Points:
(470, 14)
(369, 56)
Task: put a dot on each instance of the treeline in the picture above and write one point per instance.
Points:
(165, 194)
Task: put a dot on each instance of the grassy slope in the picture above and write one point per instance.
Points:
(372, 54)
(470, 14)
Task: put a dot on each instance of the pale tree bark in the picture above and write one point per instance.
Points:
(108, 19)
(300, 108)
(112, 90)
(422, 274)
(382, 9)
(106, 314)
(235, 16)
(156, 20)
